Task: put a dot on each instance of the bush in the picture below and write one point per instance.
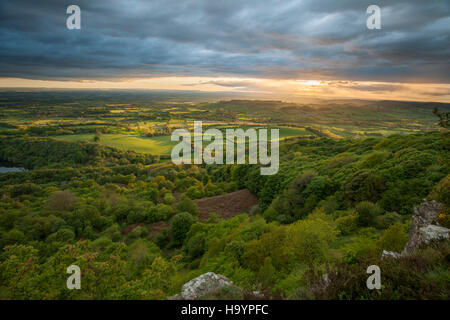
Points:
(169, 199)
(366, 213)
(441, 193)
(195, 246)
(230, 187)
(267, 272)
(135, 216)
(347, 224)
(211, 190)
(319, 186)
(310, 238)
(162, 238)
(113, 232)
(188, 205)
(138, 232)
(271, 244)
(393, 239)
(65, 235)
(62, 201)
(142, 253)
(255, 210)
(373, 159)
(181, 223)
(386, 220)
(195, 192)
(160, 212)
(364, 186)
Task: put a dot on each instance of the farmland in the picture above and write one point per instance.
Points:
(92, 184)
(144, 123)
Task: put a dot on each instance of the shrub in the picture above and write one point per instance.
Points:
(138, 232)
(386, 220)
(160, 212)
(195, 192)
(113, 232)
(310, 238)
(24, 189)
(142, 253)
(373, 159)
(366, 213)
(63, 235)
(255, 210)
(195, 246)
(62, 201)
(135, 216)
(188, 205)
(270, 214)
(319, 186)
(162, 238)
(230, 187)
(271, 244)
(330, 205)
(441, 193)
(347, 224)
(211, 190)
(181, 223)
(169, 199)
(422, 276)
(267, 272)
(393, 239)
(364, 186)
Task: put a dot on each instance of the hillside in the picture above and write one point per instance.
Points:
(333, 204)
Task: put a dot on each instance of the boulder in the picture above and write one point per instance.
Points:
(390, 254)
(203, 285)
(424, 216)
(424, 229)
(432, 232)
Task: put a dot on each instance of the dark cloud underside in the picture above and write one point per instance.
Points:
(303, 39)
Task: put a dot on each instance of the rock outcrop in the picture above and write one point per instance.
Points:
(425, 215)
(391, 254)
(425, 228)
(432, 232)
(203, 285)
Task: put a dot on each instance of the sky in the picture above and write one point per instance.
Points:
(288, 48)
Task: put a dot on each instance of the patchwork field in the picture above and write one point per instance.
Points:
(155, 145)
(158, 145)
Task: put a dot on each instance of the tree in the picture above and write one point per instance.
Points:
(266, 274)
(188, 205)
(195, 246)
(364, 186)
(443, 118)
(393, 239)
(367, 212)
(181, 223)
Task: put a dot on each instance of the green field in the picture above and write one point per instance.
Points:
(154, 145)
(158, 145)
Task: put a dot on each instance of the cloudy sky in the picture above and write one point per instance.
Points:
(290, 48)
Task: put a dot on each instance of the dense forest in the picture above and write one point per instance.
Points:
(132, 223)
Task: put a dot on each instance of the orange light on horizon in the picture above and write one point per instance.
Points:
(259, 87)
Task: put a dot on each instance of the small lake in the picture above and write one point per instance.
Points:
(6, 166)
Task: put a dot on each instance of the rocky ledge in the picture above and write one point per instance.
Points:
(425, 228)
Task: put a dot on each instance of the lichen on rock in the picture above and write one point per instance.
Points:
(203, 285)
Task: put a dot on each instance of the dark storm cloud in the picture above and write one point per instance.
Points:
(315, 39)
